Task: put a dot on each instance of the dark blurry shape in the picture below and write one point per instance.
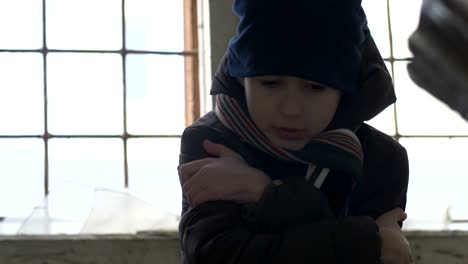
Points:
(440, 48)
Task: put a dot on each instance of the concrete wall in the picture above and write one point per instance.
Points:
(222, 27)
(428, 248)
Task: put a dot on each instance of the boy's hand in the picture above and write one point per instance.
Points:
(395, 247)
(227, 177)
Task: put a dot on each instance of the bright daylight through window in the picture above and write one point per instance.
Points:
(112, 74)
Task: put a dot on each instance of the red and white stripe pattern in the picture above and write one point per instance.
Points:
(233, 117)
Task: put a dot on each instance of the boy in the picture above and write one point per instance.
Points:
(284, 170)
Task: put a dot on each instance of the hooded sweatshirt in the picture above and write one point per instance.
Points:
(295, 222)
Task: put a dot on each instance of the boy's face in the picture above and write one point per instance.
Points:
(290, 111)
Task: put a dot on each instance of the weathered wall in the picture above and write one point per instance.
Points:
(439, 247)
(222, 27)
(428, 248)
(90, 250)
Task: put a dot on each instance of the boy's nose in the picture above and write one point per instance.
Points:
(291, 106)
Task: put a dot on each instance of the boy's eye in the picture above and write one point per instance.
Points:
(270, 83)
(315, 87)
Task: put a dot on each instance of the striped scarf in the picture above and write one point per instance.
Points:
(332, 150)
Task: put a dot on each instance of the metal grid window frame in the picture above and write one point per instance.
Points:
(192, 86)
(398, 135)
(392, 59)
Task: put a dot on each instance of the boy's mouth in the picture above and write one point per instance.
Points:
(290, 133)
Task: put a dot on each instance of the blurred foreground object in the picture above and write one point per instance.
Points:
(440, 48)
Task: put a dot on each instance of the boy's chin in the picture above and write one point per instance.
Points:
(295, 146)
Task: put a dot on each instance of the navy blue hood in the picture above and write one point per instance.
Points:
(315, 40)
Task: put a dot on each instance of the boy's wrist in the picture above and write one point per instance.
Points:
(395, 247)
(261, 182)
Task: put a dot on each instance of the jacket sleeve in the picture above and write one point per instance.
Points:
(295, 202)
(222, 232)
(298, 200)
(214, 232)
(387, 175)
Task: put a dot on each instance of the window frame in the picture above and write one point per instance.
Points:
(191, 75)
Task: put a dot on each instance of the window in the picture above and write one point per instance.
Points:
(94, 93)
(435, 136)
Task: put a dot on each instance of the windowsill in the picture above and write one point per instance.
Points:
(428, 247)
(174, 234)
(99, 249)
(145, 235)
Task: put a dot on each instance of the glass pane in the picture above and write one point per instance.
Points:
(419, 113)
(89, 162)
(155, 25)
(438, 179)
(21, 94)
(84, 24)
(21, 24)
(153, 172)
(385, 121)
(10, 226)
(55, 216)
(377, 16)
(85, 93)
(405, 18)
(21, 176)
(155, 90)
(63, 194)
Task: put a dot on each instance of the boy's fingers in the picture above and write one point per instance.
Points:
(187, 186)
(187, 170)
(391, 218)
(404, 217)
(399, 214)
(191, 188)
(201, 196)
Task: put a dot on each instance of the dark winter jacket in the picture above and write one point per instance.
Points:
(295, 222)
